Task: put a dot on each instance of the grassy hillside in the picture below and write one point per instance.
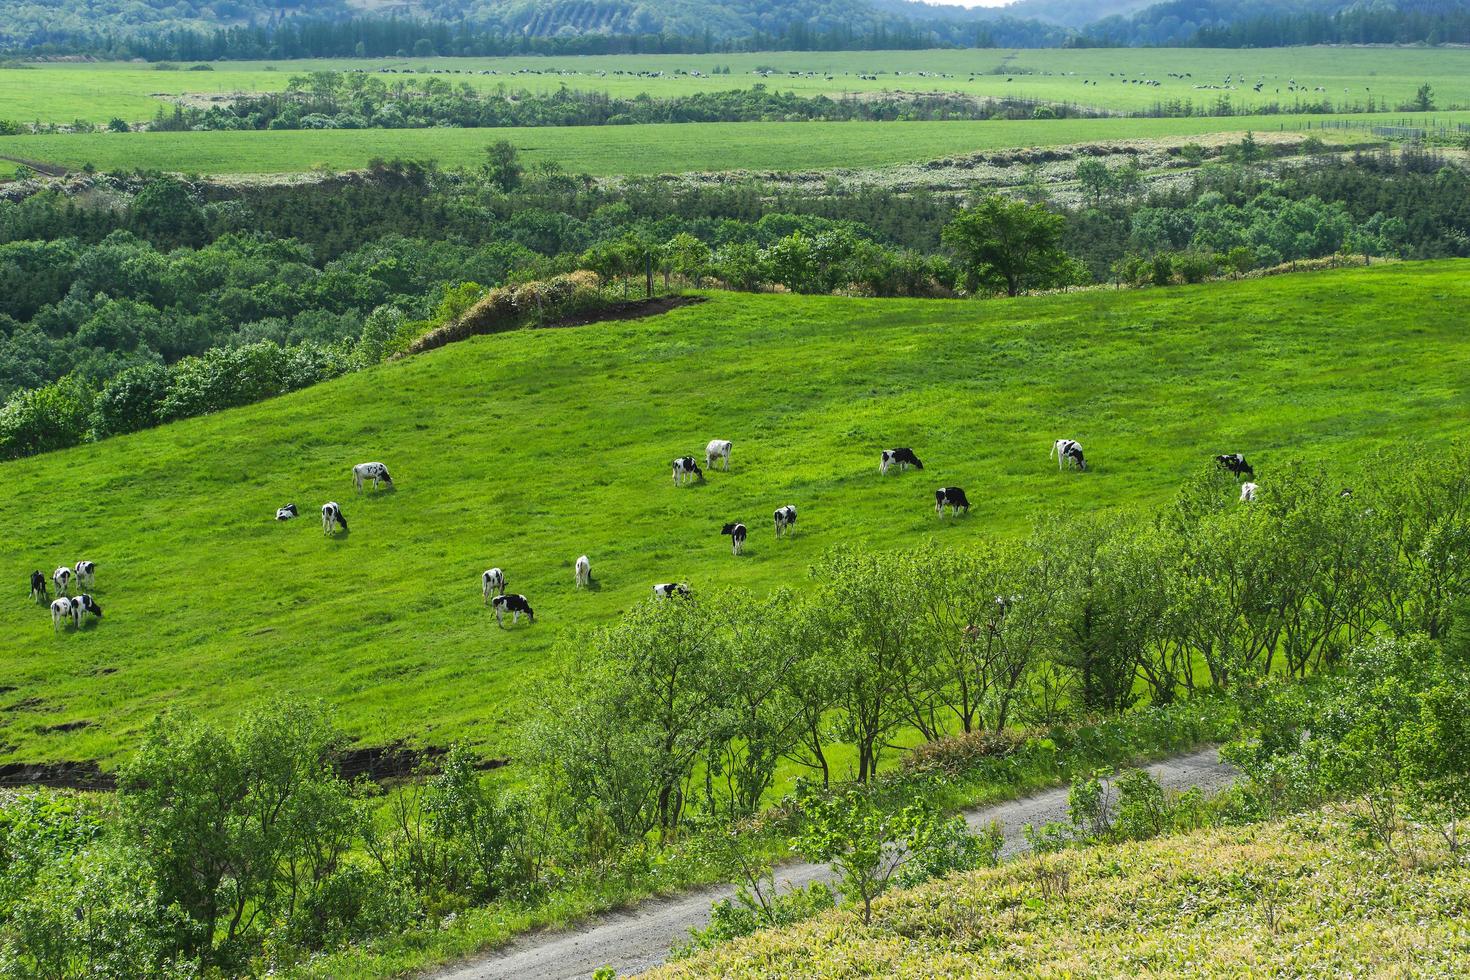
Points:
(613, 150)
(525, 450)
(1294, 899)
(62, 93)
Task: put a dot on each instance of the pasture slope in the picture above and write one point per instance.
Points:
(524, 450)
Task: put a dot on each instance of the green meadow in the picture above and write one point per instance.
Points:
(616, 150)
(527, 449)
(62, 93)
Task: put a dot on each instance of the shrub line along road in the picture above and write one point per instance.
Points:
(639, 938)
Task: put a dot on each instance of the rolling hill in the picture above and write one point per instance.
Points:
(524, 450)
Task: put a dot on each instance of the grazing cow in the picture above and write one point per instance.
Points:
(515, 605)
(60, 609)
(671, 588)
(903, 457)
(39, 592)
(82, 605)
(286, 513)
(1346, 493)
(86, 574)
(718, 449)
(736, 531)
(492, 583)
(584, 571)
(1235, 463)
(687, 467)
(1068, 451)
(951, 497)
(785, 519)
(376, 472)
(62, 580)
(1247, 492)
(332, 516)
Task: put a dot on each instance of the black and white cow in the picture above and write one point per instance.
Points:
(1236, 464)
(61, 609)
(84, 604)
(736, 531)
(1346, 493)
(1247, 492)
(286, 513)
(687, 468)
(584, 572)
(492, 583)
(332, 516)
(716, 451)
(86, 574)
(1068, 451)
(951, 497)
(61, 578)
(785, 519)
(39, 592)
(513, 604)
(903, 457)
(376, 472)
(667, 589)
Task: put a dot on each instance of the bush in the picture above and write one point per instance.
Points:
(131, 401)
(39, 420)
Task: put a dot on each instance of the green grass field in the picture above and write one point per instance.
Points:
(613, 150)
(524, 450)
(62, 93)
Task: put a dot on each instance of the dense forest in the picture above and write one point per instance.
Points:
(254, 29)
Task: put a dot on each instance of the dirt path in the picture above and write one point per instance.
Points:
(639, 938)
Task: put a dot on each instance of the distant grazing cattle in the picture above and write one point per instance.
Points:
(286, 513)
(951, 497)
(376, 472)
(687, 468)
(60, 609)
(903, 457)
(39, 592)
(492, 583)
(671, 588)
(717, 450)
(1235, 463)
(82, 605)
(61, 578)
(1346, 493)
(785, 519)
(86, 574)
(1068, 451)
(513, 604)
(736, 531)
(1247, 492)
(584, 571)
(332, 516)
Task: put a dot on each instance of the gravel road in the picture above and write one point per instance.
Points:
(639, 938)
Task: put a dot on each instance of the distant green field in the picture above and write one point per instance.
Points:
(609, 150)
(97, 92)
(526, 449)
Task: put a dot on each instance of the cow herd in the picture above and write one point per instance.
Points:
(69, 606)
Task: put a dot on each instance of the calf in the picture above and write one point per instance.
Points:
(82, 605)
(785, 519)
(1236, 464)
(718, 449)
(39, 592)
(687, 468)
(332, 516)
(60, 609)
(584, 572)
(903, 457)
(737, 536)
(1247, 492)
(492, 583)
(513, 604)
(286, 513)
(86, 574)
(376, 472)
(62, 580)
(951, 497)
(671, 588)
(1068, 451)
